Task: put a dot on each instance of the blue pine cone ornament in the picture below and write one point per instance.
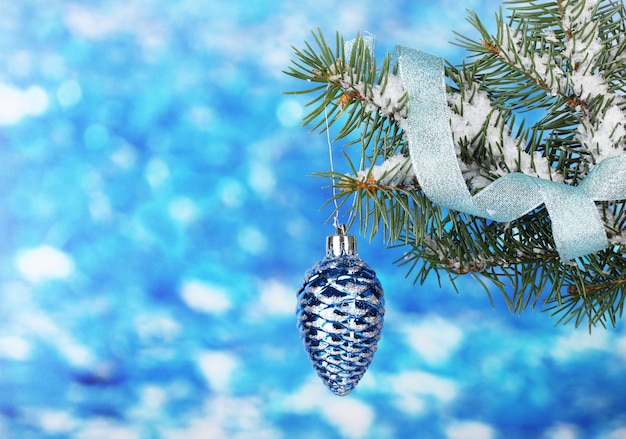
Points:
(340, 314)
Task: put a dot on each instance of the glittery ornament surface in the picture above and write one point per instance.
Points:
(340, 318)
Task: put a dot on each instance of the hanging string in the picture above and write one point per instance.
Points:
(332, 168)
(368, 41)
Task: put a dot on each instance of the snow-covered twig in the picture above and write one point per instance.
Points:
(574, 74)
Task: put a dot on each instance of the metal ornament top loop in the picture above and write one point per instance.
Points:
(341, 244)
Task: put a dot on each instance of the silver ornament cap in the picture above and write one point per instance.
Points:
(341, 244)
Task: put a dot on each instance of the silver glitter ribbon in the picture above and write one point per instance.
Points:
(577, 228)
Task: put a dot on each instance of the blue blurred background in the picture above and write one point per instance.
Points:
(157, 220)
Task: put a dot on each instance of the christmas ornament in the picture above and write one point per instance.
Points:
(340, 314)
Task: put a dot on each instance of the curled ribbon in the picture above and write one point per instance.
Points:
(577, 228)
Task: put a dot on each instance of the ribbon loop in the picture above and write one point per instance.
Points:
(576, 224)
(577, 228)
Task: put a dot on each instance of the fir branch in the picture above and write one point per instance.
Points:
(551, 57)
(379, 207)
(559, 64)
(355, 88)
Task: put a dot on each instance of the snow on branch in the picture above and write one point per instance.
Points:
(568, 64)
(383, 98)
(472, 115)
(469, 116)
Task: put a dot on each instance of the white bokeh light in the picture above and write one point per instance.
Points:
(43, 263)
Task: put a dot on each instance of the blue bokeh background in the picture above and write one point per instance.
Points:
(157, 219)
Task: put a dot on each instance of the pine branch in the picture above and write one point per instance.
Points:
(355, 89)
(543, 96)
